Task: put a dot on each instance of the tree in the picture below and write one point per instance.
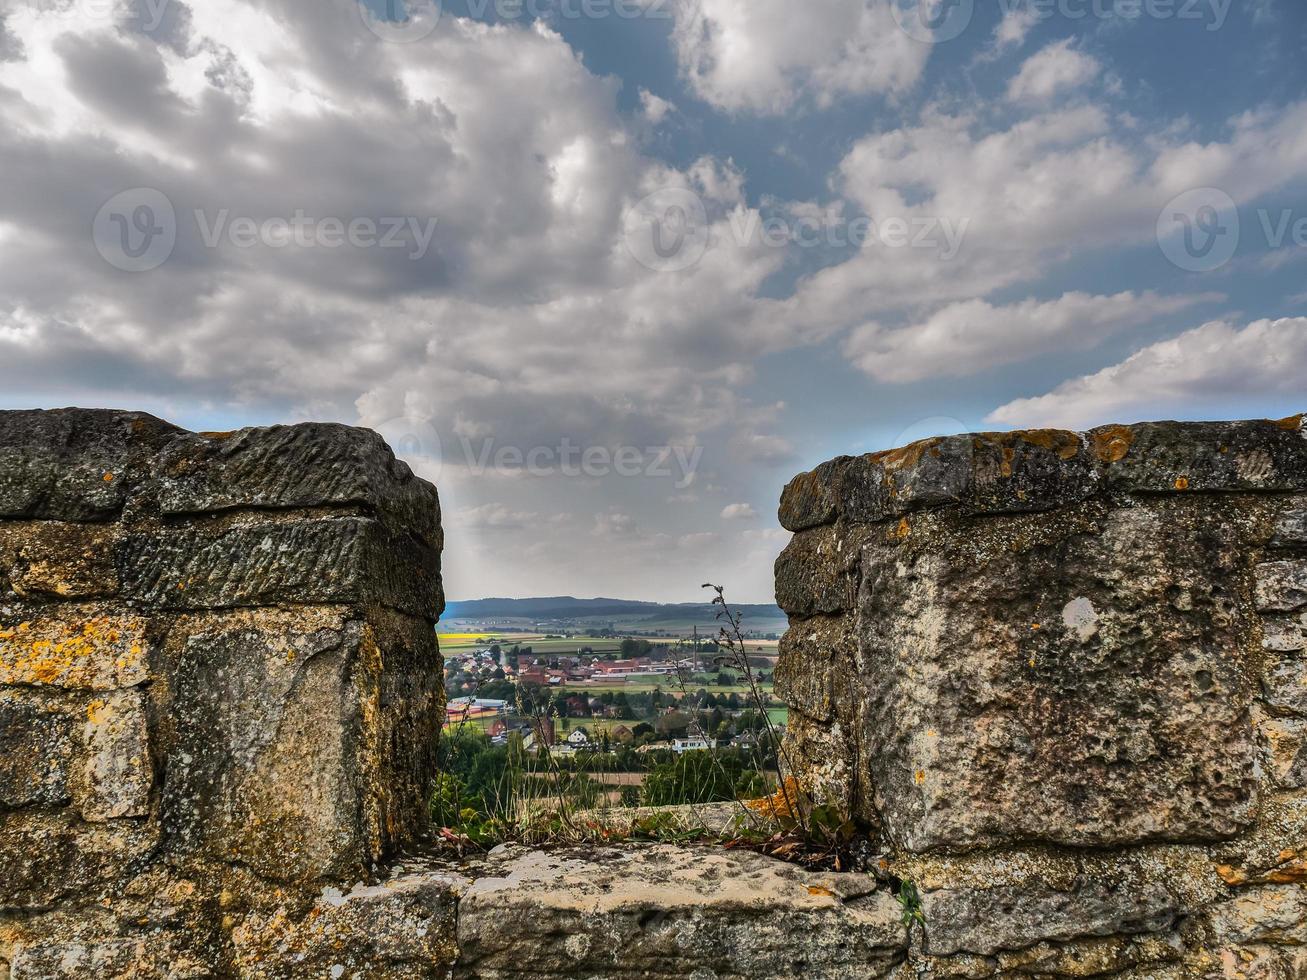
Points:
(632, 647)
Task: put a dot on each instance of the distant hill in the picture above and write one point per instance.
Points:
(651, 615)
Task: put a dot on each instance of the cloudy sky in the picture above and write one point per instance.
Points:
(611, 271)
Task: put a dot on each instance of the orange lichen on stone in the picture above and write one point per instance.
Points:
(819, 890)
(1291, 423)
(1063, 442)
(98, 652)
(782, 804)
(909, 455)
(1182, 483)
(1291, 870)
(1066, 444)
(1112, 443)
(108, 478)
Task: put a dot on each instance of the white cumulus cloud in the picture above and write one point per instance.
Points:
(1052, 70)
(966, 338)
(763, 56)
(738, 512)
(1216, 364)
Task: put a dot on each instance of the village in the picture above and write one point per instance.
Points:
(609, 694)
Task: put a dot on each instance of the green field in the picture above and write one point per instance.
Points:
(455, 641)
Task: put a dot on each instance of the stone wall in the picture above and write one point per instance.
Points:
(219, 682)
(1061, 677)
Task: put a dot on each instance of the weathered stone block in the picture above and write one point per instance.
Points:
(402, 929)
(1271, 913)
(1284, 634)
(1273, 852)
(1282, 585)
(1042, 469)
(1070, 708)
(57, 560)
(50, 858)
(294, 466)
(1291, 528)
(814, 666)
(1081, 686)
(261, 563)
(1030, 470)
(821, 756)
(1286, 740)
(1285, 687)
(98, 647)
(285, 733)
(664, 912)
(1164, 457)
(74, 464)
(117, 773)
(1142, 956)
(811, 499)
(814, 574)
(219, 686)
(37, 750)
(151, 958)
(988, 920)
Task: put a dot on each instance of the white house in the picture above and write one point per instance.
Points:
(690, 745)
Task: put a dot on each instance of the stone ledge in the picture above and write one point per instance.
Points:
(653, 912)
(671, 912)
(89, 465)
(1040, 469)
